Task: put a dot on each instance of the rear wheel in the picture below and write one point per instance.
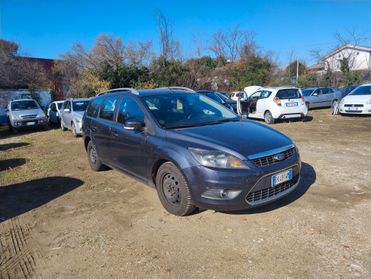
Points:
(173, 190)
(94, 161)
(268, 118)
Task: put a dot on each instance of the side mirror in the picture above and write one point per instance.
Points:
(67, 110)
(134, 125)
(315, 94)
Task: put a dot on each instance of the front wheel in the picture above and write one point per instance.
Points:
(268, 117)
(62, 127)
(173, 190)
(74, 132)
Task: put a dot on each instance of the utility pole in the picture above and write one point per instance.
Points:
(297, 71)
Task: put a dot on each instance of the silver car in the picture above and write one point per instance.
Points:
(26, 113)
(319, 97)
(71, 115)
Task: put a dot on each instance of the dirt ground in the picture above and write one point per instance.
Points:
(59, 219)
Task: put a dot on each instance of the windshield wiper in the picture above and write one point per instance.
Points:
(203, 123)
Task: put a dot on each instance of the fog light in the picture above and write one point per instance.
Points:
(220, 194)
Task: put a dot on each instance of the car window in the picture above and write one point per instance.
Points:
(185, 110)
(292, 93)
(265, 94)
(80, 105)
(67, 105)
(129, 110)
(23, 105)
(362, 90)
(93, 107)
(53, 107)
(214, 97)
(256, 95)
(307, 92)
(108, 108)
(59, 105)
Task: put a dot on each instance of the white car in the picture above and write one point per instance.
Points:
(357, 102)
(272, 104)
(54, 111)
(71, 115)
(25, 113)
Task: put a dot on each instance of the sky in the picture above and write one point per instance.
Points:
(286, 28)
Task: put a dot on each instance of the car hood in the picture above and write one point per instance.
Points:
(356, 98)
(17, 114)
(244, 137)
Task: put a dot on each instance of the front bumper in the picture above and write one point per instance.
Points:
(22, 123)
(355, 109)
(254, 185)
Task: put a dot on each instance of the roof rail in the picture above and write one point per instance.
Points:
(126, 89)
(178, 88)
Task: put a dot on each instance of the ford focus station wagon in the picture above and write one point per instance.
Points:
(194, 151)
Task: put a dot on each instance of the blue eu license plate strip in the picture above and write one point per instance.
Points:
(281, 177)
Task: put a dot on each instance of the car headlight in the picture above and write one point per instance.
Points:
(217, 159)
(368, 102)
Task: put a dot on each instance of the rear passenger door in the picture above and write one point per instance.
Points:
(262, 103)
(102, 128)
(129, 147)
(329, 96)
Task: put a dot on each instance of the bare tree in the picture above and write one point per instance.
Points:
(232, 44)
(169, 47)
(139, 53)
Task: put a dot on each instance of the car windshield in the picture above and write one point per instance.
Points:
(59, 105)
(80, 105)
(24, 105)
(307, 92)
(362, 90)
(223, 97)
(288, 94)
(177, 110)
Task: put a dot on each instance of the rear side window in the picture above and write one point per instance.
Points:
(288, 94)
(108, 108)
(129, 110)
(265, 94)
(93, 107)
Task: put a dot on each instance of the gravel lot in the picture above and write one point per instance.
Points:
(59, 219)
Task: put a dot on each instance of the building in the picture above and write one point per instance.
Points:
(358, 57)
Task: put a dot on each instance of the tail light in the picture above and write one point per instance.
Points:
(277, 101)
(302, 99)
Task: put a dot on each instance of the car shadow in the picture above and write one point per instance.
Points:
(11, 163)
(19, 198)
(7, 146)
(308, 177)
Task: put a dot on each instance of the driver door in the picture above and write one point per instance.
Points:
(252, 105)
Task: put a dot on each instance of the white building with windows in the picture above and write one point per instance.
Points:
(359, 58)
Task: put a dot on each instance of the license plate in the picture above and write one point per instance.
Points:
(281, 177)
(292, 104)
(30, 123)
(353, 109)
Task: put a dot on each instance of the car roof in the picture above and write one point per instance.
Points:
(79, 99)
(148, 92)
(16, 100)
(277, 88)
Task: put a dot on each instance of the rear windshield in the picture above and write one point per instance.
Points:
(362, 90)
(288, 94)
(24, 105)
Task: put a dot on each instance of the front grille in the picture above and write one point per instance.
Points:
(270, 192)
(270, 160)
(29, 116)
(353, 105)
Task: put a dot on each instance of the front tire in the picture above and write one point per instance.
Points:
(173, 190)
(73, 127)
(268, 117)
(93, 158)
(62, 127)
